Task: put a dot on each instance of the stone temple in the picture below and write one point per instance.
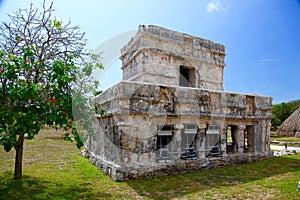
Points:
(170, 113)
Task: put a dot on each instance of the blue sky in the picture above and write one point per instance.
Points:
(261, 36)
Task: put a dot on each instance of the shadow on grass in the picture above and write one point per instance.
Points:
(177, 186)
(17, 189)
(34, 188)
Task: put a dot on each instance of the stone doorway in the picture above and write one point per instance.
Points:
(248, 140)
(231, 140)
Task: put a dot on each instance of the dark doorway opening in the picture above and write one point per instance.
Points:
(187, 77)
(231, 139)
(248, 140)
(164, 137)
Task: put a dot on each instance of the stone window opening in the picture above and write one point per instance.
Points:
(187, 76)
(189, 145)
(164, 137)
(231, 142)
(212, 140)
(246, 141)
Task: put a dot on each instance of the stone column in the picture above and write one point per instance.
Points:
(263, 135)
(257, 136)
(176, 142)
(202, 128)
(234, 135)
(267, 135)
(250, 139)
(224, 139)
(240, 138)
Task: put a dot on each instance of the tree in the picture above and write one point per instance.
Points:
(40, 78)
(282, 111)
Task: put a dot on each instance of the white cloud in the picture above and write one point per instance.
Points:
(215, 6)
(267, 61)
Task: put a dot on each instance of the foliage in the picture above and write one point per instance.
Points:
(282, 111)
(41, 81)
(62, 173)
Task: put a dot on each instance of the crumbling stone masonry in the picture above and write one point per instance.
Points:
(170, 113)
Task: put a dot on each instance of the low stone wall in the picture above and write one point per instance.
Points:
(121, 173)
(283, 143)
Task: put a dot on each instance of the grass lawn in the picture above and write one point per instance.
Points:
(292, 141)
(283, 138)
(54, 169)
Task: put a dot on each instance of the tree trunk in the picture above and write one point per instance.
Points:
(19, 157)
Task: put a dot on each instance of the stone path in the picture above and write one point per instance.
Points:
(280, 148)
(282, 151)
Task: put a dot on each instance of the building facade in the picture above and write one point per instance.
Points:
(170, 113)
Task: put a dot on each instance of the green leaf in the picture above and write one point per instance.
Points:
(67, 137)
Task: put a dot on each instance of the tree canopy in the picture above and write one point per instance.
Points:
(282, 111)
(44, 74)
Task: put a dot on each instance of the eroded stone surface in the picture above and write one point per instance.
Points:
(155, 54)
(170, 114)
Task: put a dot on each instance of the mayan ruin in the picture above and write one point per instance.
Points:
(170, 113)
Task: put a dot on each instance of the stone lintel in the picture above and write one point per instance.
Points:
(241, 127)
(202, 126)
(179, 126)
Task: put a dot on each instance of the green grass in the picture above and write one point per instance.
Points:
(284, 139)
(54, 169)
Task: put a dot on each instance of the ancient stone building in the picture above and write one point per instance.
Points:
(170, 113)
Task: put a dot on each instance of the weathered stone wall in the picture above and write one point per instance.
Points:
(170, 114)
(155, 55)
(125, 144)
(123, 173)
(128, 97)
